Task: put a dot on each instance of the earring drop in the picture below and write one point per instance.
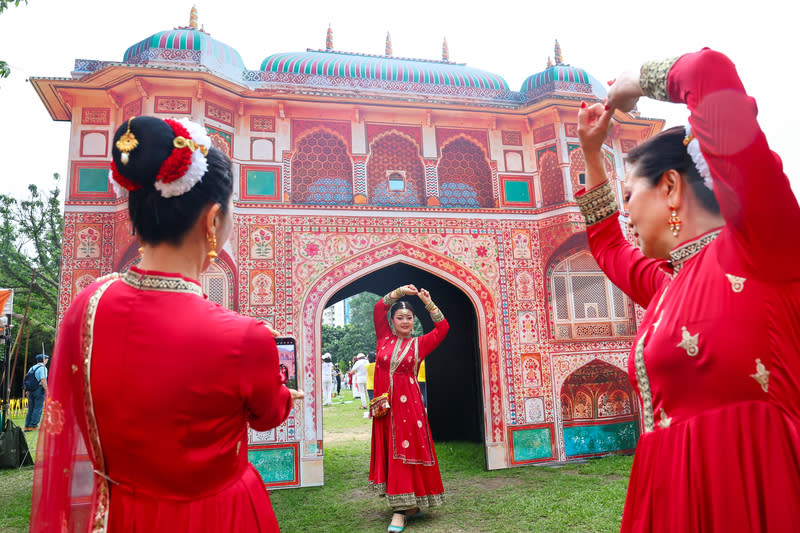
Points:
(674, 222)
(212, 253)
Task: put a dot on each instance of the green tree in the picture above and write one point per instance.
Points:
(30, 261)
(4, 4)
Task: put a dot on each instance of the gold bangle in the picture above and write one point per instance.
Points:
(430, 305)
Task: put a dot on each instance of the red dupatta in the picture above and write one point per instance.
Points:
(70, 489)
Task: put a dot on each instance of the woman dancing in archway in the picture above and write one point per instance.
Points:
(403, 465)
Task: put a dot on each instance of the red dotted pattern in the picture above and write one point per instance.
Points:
(552, 181)
(394, 152)
(464, 162)
(319, 155)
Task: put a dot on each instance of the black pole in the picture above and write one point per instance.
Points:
(6, 385)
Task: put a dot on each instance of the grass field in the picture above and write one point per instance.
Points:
(577, 497)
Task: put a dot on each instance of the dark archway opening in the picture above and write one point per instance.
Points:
(453, 370)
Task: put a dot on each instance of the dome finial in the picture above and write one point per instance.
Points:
(388, 44)
(549, 62)
(193, 18)
(329, 39)
(559, 59)
(445, 50)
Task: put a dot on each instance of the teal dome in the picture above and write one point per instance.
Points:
(387, 68)
(562, 78)
(185, 45)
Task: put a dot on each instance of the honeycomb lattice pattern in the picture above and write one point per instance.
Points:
(322, 172)
(465, 179)
(394, 152)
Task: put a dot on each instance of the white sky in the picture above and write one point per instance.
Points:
(510, 38)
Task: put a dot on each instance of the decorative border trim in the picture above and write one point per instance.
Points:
(245, 196)
(149, 282)
(513, 429)
(294, 445)
(686, 251)
(597, 204)
(643, 381)
(653, 78)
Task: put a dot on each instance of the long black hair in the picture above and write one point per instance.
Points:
(157, 219)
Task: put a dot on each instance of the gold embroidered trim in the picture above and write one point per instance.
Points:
(150, 282)
(689, 342)
(665, 421)
(761, 375)
(597, 204)
(684, 252)
(100, 518)
(644, 385)
(737, 283)
(401, 502)
(658, 322)
(653, 78)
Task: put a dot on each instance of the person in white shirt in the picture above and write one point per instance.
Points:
(327, 382)
(359, 371)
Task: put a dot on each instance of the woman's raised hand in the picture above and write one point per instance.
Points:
(410, 289)
(425, 296)
(594, 122)
(625, 91)
(297, 394)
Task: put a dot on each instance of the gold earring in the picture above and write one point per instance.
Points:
(674, 222)
(212, 253)
(141, 250)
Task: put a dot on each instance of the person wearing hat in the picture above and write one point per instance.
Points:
(359, 372)
(154, 385)
(327, 379)
(36, 396)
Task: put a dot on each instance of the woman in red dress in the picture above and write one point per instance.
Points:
(403, 465)
(716, 361)
(153, 386)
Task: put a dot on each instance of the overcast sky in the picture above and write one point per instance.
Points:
(509, 38)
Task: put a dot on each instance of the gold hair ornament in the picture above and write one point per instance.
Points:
(126, 143)
(183, 142)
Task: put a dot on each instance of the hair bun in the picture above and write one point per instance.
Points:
(153, 146)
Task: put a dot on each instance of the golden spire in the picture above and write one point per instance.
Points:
(445, 51)
(388, 44)
(559, 59)
(193, 18)
(549, 62)
(329, 39)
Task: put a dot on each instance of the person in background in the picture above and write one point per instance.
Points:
(353, 378)
(403, 465)
(327, 379)
(360, 372)
(423, 389)
(716, 361)
(338, 378)
(153, 385)
(37, 396)
(371, 375)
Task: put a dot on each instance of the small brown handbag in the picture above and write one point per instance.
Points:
(379, 406)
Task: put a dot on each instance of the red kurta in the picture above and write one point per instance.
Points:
(403, 464)
(717, 357)
(175, 379)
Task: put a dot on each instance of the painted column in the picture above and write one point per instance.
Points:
(431, 181)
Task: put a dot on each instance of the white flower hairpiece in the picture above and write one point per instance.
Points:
(693, 148)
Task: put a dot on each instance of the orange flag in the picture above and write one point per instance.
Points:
(5, 294)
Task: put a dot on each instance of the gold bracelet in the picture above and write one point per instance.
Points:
(430, 305)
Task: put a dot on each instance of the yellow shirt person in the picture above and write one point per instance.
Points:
(422, 384)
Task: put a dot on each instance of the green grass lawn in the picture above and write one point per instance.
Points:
(577, 497)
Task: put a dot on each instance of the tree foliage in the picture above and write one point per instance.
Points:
(30, 261)
(5, 4)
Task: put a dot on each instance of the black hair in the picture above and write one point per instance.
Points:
(402, 304)
(664, 152)
(371, 357)
(157, 219)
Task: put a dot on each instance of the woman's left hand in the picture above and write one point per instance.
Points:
(594, 123)
(425, 296)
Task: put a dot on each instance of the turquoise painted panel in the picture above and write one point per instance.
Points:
(586, 440)
(517, 191)
(261, 182)
(531, 444)
(93, 180)
(276, 465)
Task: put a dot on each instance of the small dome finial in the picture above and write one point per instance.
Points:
(329, 39)
(445, 50)
(559, 59)
(549, 62)
(388, 44)
(193, 18)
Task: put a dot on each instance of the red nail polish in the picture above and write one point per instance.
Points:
(608, 107)
(583, 105)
